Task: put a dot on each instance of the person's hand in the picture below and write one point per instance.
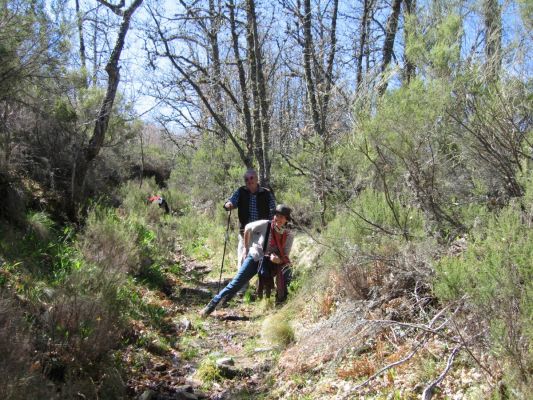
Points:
(275, 259)
(228, 206)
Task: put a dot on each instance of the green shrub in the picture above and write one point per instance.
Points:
(17, 379)
(109, 242)
(496, 274)
(371, 220)
(66, 256)
(208, 371)
(177, 200)
(135, 306)
(40, 224)
(202, 236)
(81, 327)
(414, 147)
(153, 276)
(134, 197)
(208, 174)
(154, 343)
(296, 191)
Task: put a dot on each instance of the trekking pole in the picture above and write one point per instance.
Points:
(224, 251)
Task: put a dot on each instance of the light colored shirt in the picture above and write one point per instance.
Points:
(257, 232)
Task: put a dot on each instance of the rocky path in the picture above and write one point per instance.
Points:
(186, 357)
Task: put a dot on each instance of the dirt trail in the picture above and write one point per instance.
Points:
(228, 339)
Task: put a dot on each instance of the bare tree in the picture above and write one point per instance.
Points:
(363, 45)
(79, 20)
(194, 77)
(205, 67)
(261, 125)
(493, 37)
(388, 43)
(319, 81)
(87, 153)
(246, 115)
(409, 13)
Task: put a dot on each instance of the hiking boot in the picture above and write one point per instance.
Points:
(208, 309)
(281, 299)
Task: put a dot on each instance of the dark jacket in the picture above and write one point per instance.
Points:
(263, 211)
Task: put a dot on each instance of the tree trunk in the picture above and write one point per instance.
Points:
(263, 98)
(330, 63)
(212, 34)
(362, 42)
(318, 95)
(88, 153)
(83, 56)
(261, 123)
(388, 44)
(309, 80)
(248, 134)
(409, 12)
(493, 38)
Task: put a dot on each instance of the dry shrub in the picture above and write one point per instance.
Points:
(326, 303)
(361, 273)
(14, 344)
(379, 271)
(328, 339)
(398, 354)
(20, 376)
(154, 214)
(110, 243)
(355, 280)
(359, 368)
(414, 264)
(379, 355)
(392, 280)
(81, 326)
(276, 329)
(399, 309)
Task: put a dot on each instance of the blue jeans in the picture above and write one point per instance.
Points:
(246, 272)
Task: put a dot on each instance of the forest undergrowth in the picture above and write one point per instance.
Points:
(111, 311)
(399, 132)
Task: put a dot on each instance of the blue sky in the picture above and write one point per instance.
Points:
(135, 76)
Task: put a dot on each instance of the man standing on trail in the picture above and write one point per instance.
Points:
(253, 202)
(267, 245)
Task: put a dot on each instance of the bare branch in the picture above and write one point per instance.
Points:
(116, 8)
(394, 364)
(428, 391)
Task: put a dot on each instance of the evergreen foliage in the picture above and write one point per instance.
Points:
(495, 273)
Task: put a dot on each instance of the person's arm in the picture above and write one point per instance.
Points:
(246, 239)
(233, 201)
(286, 250)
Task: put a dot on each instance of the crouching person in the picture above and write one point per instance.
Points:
(159, 200)
(266, 243)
